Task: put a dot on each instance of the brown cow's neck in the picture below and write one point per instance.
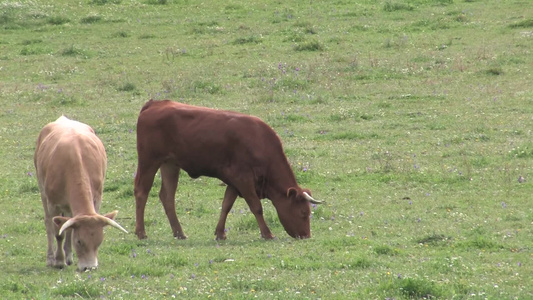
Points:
(280, 181)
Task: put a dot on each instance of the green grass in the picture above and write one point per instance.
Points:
(412, 119)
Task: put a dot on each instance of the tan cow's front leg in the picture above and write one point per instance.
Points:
(69, 259)
(56, 258)
(50, 234)
(59, 260)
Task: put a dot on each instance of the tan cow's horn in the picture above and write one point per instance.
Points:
(66, 225)
(115, 224)
(311, 199)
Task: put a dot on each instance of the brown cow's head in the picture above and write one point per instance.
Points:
(294, 213)
(87, 235)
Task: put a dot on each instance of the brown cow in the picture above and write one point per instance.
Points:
(242, 151)
(71, 162)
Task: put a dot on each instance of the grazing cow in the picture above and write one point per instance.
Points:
(242, 151)
(71, 162)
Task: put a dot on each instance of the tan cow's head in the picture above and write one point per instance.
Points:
(295, 212)
(87, 235)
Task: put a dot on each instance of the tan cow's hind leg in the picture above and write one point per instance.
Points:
(229, 199)
(169, 183)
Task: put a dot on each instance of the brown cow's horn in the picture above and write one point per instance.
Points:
(66, 225)
(311, 199)
(115, 224)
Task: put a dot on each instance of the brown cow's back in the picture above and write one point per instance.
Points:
(204, 141)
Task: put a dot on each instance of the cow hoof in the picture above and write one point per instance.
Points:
(269, 237)
(180, 236)
(142, 235)
(221, 238)
(59, 266)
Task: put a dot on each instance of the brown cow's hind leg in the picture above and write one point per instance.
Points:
(143, 183)
(229, 198)
(169, 183)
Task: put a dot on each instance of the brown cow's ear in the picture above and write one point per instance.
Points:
(59, 221)
(292, 192)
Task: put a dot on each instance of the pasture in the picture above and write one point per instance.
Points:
(412, 119)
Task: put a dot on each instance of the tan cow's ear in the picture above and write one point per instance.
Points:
(59, 221)
(70, 222)
(111, 215)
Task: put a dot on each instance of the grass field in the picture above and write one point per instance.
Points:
(412, 118)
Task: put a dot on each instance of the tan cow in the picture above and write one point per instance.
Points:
(71, 163)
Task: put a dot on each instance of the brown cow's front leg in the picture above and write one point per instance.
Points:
(143, 183)
(257, 209)
(229, 199)
(169, 183)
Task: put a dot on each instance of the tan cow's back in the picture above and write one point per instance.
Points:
(71, 163)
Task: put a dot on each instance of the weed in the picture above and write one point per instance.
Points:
(524, 151)
(386, 250)
(247, 40)
(121, 34)
(73, 51)
(78, 289)
(312, 45)
(58, 20)
(127, 87)
(104, 2)
(390, 7)
(91, 19)
(434, 239)
(420, 288)
(158, 2)
(522, 24)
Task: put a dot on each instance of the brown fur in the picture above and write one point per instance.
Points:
(241, 150)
